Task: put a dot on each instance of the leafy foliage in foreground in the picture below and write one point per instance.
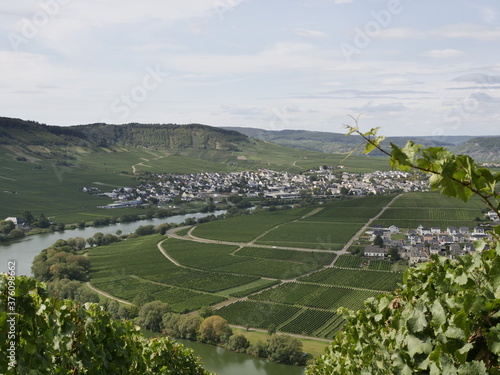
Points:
(444, 320)
(61, 337)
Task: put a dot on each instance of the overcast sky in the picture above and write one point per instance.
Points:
(413, 67)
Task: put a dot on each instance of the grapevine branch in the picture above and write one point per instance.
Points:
(467, 184)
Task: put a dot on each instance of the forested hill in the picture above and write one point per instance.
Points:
(170, 136)
(482, 148)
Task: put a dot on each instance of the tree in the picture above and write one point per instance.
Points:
(28, 217)
(6, 226)
(151, 314)
(16, 233)
(206, 311)
(213, 328)
(271, 330)
(394, 253)
(445, 317)
(285, 349)
(238, 343)
(378, 241)
(43, 222)
(145, 230)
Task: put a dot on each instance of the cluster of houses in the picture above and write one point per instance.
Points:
(164, 188)
(420, 243)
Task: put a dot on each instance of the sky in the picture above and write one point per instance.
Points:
(412, 67)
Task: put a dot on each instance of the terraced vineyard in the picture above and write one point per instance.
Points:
(257, 314)
(310, 295)
(180, 300)
(374, 280)
(203, 273)
(431, 210)
(348, 261)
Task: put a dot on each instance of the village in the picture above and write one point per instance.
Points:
(417, 245)
(162, 189)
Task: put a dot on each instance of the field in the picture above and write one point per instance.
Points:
(325, 228)
(252, 276)
(310, 295)
(248, 227)
(312, 257)
(365, 279)
(113, 266)
(309, 234)
(431, 210)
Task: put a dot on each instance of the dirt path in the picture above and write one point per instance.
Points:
(363, 229)
(162, 250)
(106, 294)
(134, 167)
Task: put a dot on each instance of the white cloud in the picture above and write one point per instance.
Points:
(481, 78)
(387, 107)
(398, 81)
(311, 33)
(443, 53)
(453, 31)
(488, 14)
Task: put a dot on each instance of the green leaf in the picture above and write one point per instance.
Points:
(417, 346)
(438, 313)
(417, 322)
(473, 368)
(494, 339)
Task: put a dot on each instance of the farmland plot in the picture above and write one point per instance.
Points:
(374, 280)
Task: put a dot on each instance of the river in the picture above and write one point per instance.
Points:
(215, 359)
(24, 250)
(224, 362)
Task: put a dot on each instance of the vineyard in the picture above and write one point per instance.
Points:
(179, 300)
(380, 265)
(257, 314)
(374, 280)
(310, 295)
(309, 321)
(311, 257)
(246, 228)
(348, 261)
(304, 232)
(434, 200)
(303, 321)
(212, 272)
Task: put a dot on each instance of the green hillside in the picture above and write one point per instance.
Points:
(43, 168)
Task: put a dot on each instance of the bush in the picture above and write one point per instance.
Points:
(238, 343)
(151, 314)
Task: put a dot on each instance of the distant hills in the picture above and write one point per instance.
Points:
(202, 137)
(480, 148)
(170, 136)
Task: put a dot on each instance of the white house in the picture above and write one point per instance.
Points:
(18, 222)
(375, 252)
